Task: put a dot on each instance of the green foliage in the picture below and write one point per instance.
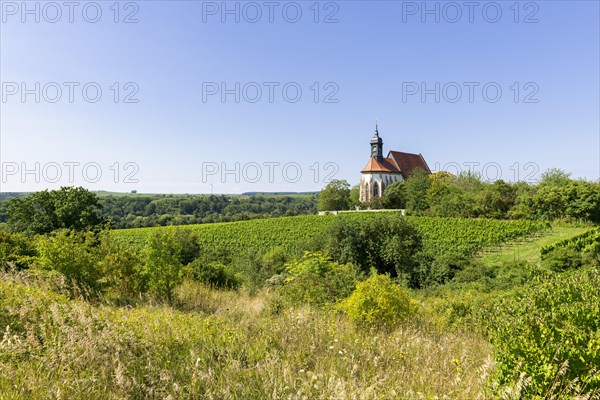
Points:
(378, 302)
(275, 259)
(317, 280)
(44, 212)
(441, 269)
(497, 199)
(586, 242)
(122, 268)
(335, 196)
(417, 186)
(394, 196)
(552, 322)
(355, 196)
(387, 243)
(74, 254)
(213, 274)
(16, 250)
(559, 197)
(187, 240)
(164, 263)
(563, 258)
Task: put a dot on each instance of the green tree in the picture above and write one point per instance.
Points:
(165, 255)
(394, 196)
(47, 211)
(335, 196)
(417, 185)
(355, 196)
(496, 199)
(388, 243)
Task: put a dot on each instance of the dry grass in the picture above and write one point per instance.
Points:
(225, 345)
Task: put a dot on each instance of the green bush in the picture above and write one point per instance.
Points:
(214, 274)
(316, 279)
(122, 267)
(275, 259)
(75, 255)
(441, 269)
(16, 250)
(562, 258)
(163, 269)
(187, 240)
(378, 302)
(552, 322)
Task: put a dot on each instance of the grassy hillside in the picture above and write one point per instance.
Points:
(226, 346)
(130, 314)
(529, 250)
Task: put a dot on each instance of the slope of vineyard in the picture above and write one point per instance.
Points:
(466, 236)
(587, 241)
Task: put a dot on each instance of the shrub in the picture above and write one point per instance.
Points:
(316, 279)
(75, 255)
(187, 241)
(563, 258)
(16, 250)
(214, 274)
(163, 268)
(122, 268)
(275, 259)
(378, 302)
(551, 323)
(251, 269)
(441, 269)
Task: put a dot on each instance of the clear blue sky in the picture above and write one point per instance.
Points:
(375, 61)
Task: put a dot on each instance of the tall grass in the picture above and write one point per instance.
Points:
(223, 345)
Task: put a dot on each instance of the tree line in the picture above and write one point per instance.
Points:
(441, 194)
(80, 209)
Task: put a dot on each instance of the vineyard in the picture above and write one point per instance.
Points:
(587, 241)
(441, 235)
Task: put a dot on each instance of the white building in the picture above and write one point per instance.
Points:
(380, 172)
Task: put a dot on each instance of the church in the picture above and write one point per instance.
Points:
(380, 172)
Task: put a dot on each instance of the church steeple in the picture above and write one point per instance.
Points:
(377, 145)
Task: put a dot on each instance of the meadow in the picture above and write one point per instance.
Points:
(273, 309)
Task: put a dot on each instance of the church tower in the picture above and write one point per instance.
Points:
(377, 145)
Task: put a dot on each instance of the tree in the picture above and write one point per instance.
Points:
(417, 185)
(335, 196)
(47, 211)
(355, 196)
(555, 177)
(395, 195)
(388, 243)
(496, 199)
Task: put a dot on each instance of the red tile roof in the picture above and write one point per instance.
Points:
(397, 162)
(407, 162)
(385, 165)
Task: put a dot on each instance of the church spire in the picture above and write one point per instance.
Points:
(377, 144)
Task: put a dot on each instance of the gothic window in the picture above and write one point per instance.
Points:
(375, 190)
